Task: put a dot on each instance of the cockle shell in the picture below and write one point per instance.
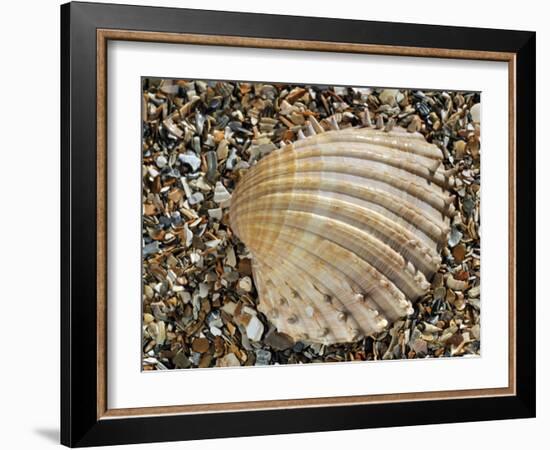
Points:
(344, 229)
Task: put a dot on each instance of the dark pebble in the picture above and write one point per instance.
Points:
(422, 108)
(197, 243)
(214, 104)
(237, 127)
(165, 221)
(212, 164)
(222, 122)
(234, 125)
(151, 249)
(456, 339)
(181, 361)
(468, 205)
(176, 218)
(298, 347)
(278, 341)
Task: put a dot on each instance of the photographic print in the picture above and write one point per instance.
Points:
(287, 222)
(292, 223)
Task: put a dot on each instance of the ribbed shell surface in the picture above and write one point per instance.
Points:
(344, 229)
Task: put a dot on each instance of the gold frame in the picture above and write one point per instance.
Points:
(103, 36)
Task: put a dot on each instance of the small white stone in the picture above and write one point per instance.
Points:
(197, 197)
(186, 188)
(221, 194)
(215, 213)
(191, 160)
(254, 329)
(429, 328)
(309, 311)
(245, 283)
(153, 172)
(231, 259)
(150, 361)
(161, 161)
(188, 235)
(340, 90)
(214, 243)
(248, 310)
(185, 297)
(203, 185)
(215, 331)
(203, 290)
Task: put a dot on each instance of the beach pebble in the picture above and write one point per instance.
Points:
(245, 283)
(230, 258)
(196, 197)
(215, 213)
(200, 345)
(161, 161)
(278, 341)
(190, 159)
(388, 97)
(254, 329)
(151, 248)
(262, 357)
(229, 360)
(215, 331)
(221, 194)
(420, 346)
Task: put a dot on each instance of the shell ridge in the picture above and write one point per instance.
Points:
(332, 183)
(410, 165)
(351, 213)
(423, 192)
(406, 211)
(402, 141)
(368, 269)
(421, 255)
(402, 279)
(383, 298)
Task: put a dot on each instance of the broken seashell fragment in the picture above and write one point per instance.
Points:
(344, 228)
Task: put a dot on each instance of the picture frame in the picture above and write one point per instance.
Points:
(86, 30)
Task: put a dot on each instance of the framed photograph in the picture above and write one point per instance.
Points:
(278, 224)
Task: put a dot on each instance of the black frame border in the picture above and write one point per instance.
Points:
(79, 424)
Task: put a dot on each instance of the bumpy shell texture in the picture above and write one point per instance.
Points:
(344, 229)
